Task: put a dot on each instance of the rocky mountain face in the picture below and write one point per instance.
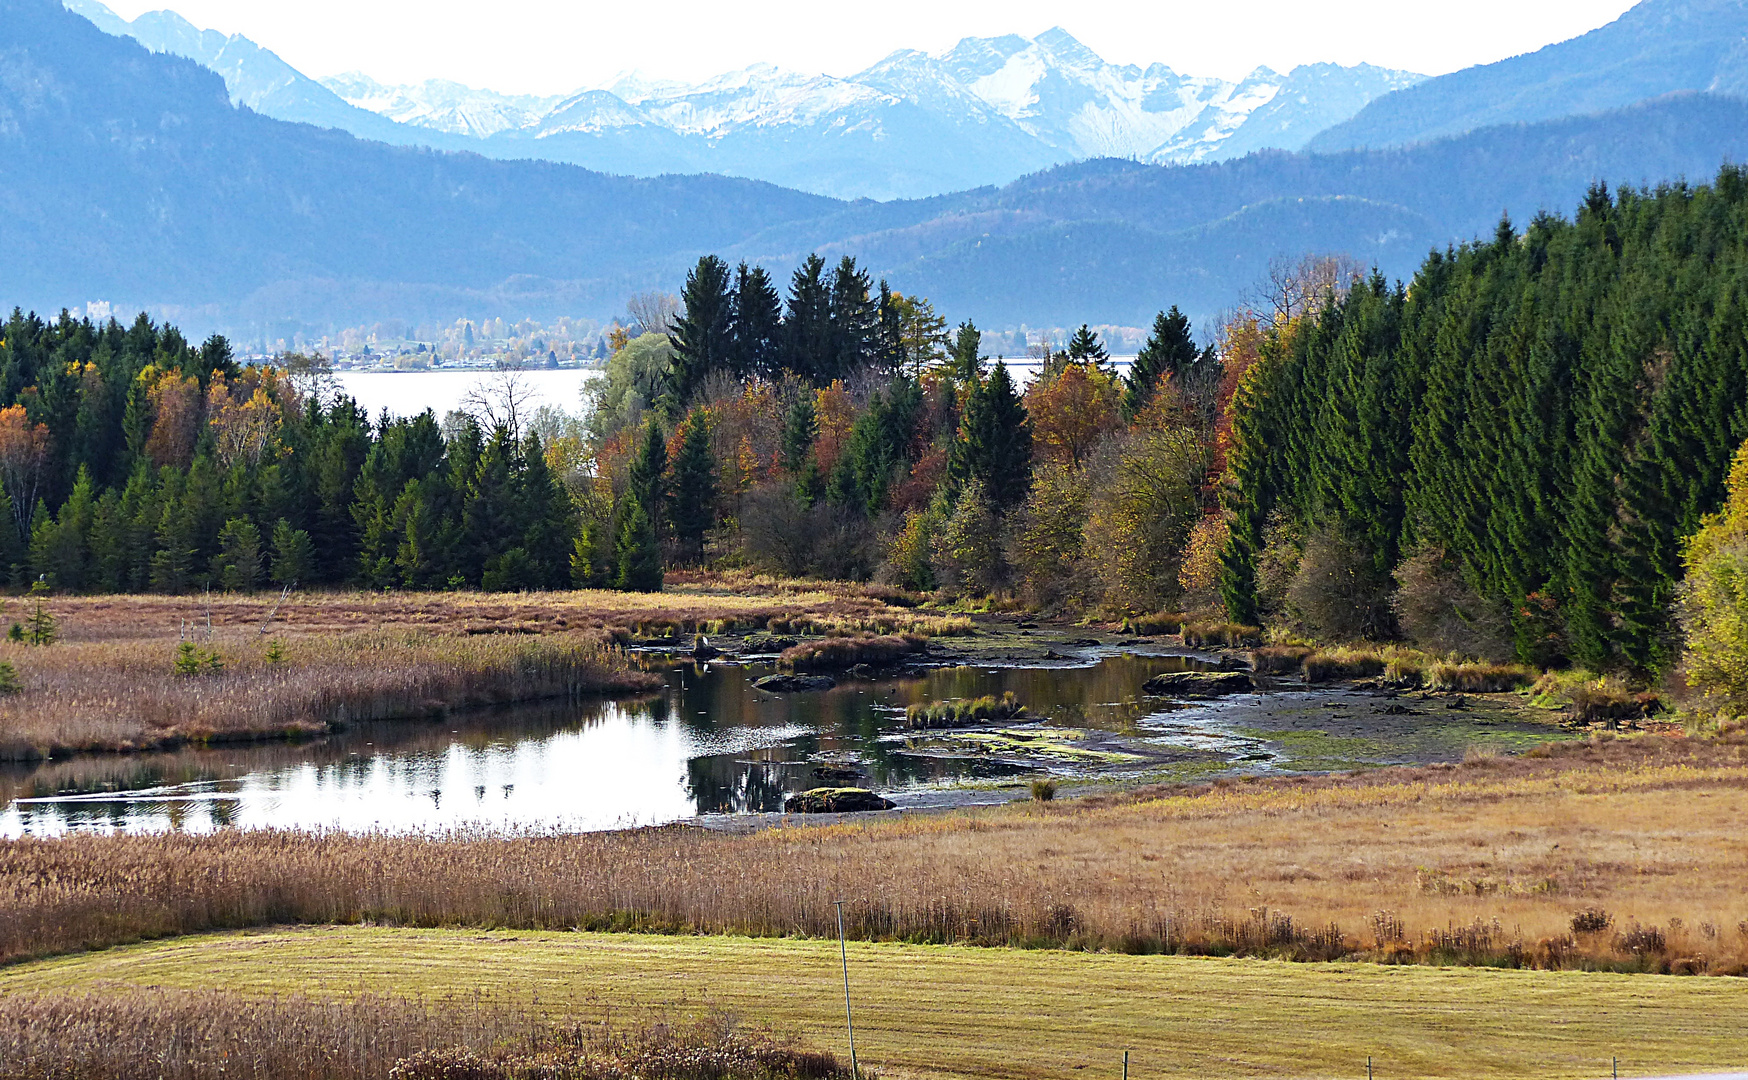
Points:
(913, 125)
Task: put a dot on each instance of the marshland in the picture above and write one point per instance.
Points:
(1176, 670)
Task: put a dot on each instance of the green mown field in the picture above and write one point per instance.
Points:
(947, 1011)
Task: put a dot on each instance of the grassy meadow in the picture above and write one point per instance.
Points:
(956, 1011)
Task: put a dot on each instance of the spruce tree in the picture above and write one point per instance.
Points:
(694, 505)
(800, 429)
(637, 556)
(1084, 347)
(237, 566)
(703, 337)
(995, 441)
(758, 324)
(1167, 354)
(809, 345)
(649, 474)
(548, 534)
(294, 555)
(855, 319)
(965, 357)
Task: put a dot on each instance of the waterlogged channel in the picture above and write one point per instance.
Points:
(711, 744)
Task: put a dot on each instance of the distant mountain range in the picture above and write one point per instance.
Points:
(133, 177)
(986, 112)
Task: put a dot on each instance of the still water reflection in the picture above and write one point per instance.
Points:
(708, 743)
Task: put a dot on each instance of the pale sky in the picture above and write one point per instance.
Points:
(553, 46)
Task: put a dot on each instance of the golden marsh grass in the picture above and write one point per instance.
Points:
(1486, 862)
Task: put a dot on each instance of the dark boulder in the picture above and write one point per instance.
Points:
(793, 684)
(825, 800)
(1199, 684)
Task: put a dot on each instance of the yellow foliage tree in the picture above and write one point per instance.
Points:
(1714, 597)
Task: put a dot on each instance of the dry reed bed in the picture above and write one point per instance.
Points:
(686, 608)
(126, 695)
(1486, 863)
(125, 1033)
(110, 684)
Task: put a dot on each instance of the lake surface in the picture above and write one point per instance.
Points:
(409, 393)
(710, 743)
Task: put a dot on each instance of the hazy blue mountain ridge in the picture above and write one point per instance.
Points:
(1656, 48)
(131, 177)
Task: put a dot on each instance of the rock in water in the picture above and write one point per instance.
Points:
(1199, 683)
(791, 684)
(843, 800)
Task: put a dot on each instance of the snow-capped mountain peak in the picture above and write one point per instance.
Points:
(986, 110)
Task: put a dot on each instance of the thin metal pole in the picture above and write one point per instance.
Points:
(1615, 1067)
(844, 955)
(1368, 1067)
(1125, 1065)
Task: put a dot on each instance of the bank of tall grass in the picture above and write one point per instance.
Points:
(1486, 862)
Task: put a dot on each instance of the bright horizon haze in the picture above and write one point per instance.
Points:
(552, 47)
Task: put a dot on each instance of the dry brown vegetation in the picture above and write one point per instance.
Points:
(123, 1033)
(271, 668)
(842, 652)
(127, 695)
(1487, 862)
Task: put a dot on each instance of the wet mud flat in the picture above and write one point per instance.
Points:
(1131, 737)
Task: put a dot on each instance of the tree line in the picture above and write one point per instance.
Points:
(131, 460)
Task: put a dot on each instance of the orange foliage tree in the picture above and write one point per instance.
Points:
(1072, 410)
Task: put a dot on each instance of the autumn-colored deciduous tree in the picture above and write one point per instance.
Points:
(175, 401)
(243, 420)
(1072, 410)
(835, 415)
(24, 448)
(1714, 597)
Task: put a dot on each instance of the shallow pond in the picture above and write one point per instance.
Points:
(709, 743)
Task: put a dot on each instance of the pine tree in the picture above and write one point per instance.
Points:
(637, 556)
(703, 337)
(995, 441)
(1167, 354)
(694, 505)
